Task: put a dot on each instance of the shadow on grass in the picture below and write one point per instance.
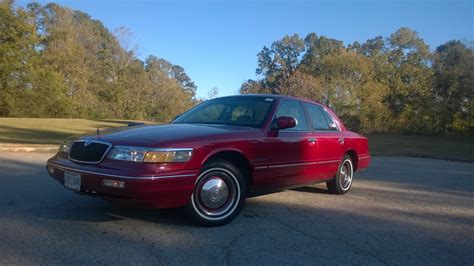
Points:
(31, 136)
(10, 134)
(125, 122)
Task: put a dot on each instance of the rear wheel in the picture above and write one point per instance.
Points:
(343, 180)
(219, 194)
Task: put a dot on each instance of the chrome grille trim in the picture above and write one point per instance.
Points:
(91, 141)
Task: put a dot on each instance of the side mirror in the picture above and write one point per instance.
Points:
(284, 122)
(333, 127)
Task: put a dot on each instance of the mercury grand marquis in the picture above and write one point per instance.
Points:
(212, 157)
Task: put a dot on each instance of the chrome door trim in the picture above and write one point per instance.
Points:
(295, 164)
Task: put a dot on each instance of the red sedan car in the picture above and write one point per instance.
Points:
(214, 156)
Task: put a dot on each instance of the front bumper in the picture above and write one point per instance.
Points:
(158, 190)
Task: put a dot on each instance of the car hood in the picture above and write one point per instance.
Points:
(169, 133)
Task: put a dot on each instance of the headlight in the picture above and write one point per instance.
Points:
(65, 146)
(149, 155)
(122, 153)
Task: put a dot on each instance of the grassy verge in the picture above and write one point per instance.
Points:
(442, 147)
(53, 131)
(49, 130)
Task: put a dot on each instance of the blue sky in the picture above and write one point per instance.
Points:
(217, 41)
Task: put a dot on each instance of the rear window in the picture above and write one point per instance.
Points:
(318, 117)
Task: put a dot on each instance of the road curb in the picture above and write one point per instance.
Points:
(28, 148)
(423, 156)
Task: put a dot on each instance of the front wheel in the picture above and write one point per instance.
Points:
(219, 194)
(343, 180)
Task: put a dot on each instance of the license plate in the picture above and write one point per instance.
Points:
(72, 180)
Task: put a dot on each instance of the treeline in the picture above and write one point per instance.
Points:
(393, 84)
(58, 62)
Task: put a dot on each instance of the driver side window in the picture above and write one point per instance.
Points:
(293, 109)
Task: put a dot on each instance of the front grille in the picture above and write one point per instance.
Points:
(88, 151)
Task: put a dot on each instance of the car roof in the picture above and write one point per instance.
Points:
(276, 96)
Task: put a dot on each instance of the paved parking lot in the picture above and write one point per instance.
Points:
(400, 211)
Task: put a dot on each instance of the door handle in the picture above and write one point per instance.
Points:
(341, 141)
(312, 140)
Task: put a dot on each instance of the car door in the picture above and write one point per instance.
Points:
(290, 150)
(329, 140)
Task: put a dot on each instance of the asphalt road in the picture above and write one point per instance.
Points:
(400, 211)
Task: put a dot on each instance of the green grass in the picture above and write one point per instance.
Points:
(442, 147)
(53, 131)
(49, 130)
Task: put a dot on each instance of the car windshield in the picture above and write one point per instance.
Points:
(240, 111)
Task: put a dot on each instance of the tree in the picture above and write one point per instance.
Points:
(381, 85)
(279, 62)
(168, 97)
(184, 80)
(251, 86)
(454, 71)
(346, 81)
(410, 80)
(300, 84)
(18, 40)
(316, 49)
(66, 64)
(177, 72)
(212, 93)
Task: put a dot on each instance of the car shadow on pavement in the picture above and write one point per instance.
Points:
(94, 210)
(27, 189)
(379, 219)
(175, 216)
(311, 190)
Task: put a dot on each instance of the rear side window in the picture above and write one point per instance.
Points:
(318, 116)
(293, 109)
(332, 124)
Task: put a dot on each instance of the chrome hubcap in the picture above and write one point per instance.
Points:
(214, 193)
(346, 175)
